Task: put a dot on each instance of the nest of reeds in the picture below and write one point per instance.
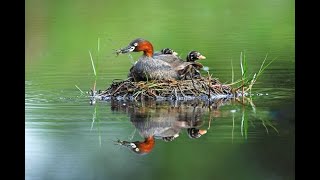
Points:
(204, 88)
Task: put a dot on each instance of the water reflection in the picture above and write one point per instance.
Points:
(166, 120)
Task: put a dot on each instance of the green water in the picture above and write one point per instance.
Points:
(66, 138)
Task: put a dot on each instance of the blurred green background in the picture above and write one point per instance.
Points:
(59, 34)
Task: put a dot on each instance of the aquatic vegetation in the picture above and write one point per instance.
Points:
(247, 81)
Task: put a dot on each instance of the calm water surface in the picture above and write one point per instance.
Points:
(66, 138)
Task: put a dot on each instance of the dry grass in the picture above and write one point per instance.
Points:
(203, 88)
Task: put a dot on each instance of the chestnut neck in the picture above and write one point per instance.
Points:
(147, 48)
(147, 145)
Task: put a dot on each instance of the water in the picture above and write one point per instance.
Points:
(66, 138)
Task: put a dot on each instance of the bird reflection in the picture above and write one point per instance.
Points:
(164, 120)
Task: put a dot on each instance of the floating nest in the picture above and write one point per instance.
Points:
(204, 88)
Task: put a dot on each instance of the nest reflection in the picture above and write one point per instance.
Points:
(164, 120)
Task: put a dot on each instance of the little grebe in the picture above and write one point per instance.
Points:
(149, 67)
(196, 133)
(193, 56)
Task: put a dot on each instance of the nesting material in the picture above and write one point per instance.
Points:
(204, 88)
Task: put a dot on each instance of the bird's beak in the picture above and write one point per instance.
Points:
(201, 57)
(202, 131)
(124, 143)
(125, 50)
